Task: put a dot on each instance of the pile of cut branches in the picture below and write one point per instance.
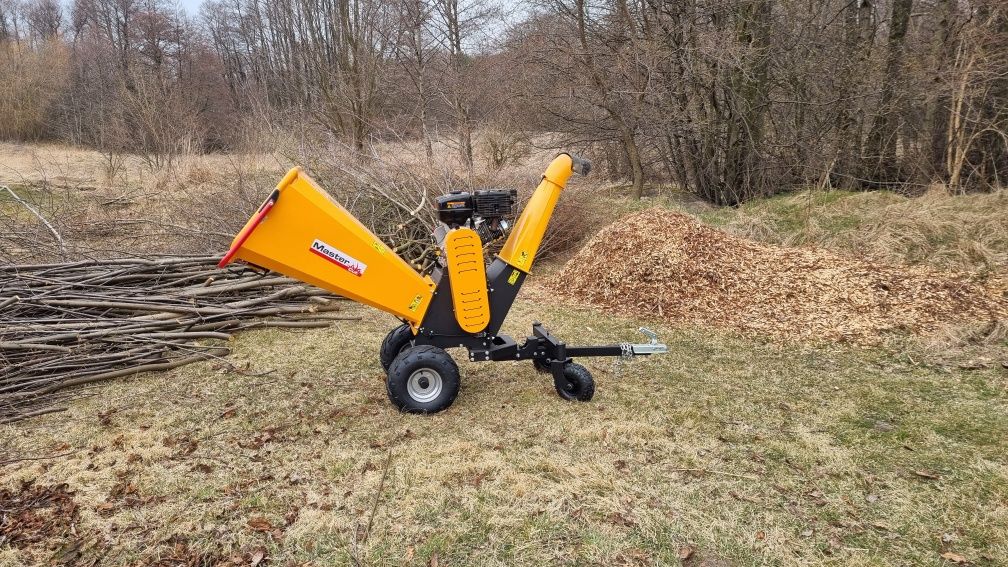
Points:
(64, 325)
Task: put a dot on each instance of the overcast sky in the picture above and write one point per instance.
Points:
(190, 6)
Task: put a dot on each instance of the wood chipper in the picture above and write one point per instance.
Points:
(300, 231)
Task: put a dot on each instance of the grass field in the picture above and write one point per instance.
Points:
(963, 232)
(725, 451)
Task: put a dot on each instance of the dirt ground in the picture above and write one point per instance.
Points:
(726, 451)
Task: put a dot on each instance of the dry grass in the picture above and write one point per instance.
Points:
(962, 232)
(199, 203)
(62, 166)
(194, 207)
(26, 163)
(741, 451)
(748, 453)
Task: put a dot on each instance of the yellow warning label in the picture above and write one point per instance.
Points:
(513, 277)
(378, 247)
(415, 303)
(522, 258)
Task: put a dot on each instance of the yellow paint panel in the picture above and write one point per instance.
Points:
(306, 235)
(467, 274)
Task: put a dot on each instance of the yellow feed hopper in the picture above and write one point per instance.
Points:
(301, 232)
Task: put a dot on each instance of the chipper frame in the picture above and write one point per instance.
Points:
(300, 231)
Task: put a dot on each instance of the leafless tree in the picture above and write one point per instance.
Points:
(729, 99)
(415, 47)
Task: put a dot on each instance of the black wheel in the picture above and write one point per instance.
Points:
(577, 383)
(423, 379)
(398, 340)
(542, 366)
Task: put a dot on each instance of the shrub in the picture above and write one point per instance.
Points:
(32, 83)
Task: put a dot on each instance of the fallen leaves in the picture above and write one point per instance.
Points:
(183, 445)
(35, 513)
(620, 519)
(182, 549)
(267, 435)
(954, 558)
(259, 524)
(105, 417)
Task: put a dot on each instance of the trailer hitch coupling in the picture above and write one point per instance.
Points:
(644, 349)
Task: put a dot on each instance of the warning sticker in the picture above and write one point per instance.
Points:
(341, 259)
(522, 258)
(513, 277)
(415, 303)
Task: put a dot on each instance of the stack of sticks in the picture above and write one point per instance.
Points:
(65, 325)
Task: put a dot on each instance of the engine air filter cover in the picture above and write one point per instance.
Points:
(455, 208)
(494, 203)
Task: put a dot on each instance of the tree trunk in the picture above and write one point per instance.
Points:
(465, 138)
(882, 138)
(850, 121)
(937, 118)
(636, 169)
(955, 155)
(746, 97)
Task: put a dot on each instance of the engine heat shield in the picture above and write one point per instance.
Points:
(467, 274)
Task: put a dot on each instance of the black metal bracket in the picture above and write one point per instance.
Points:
(541, 346)
(557, 370)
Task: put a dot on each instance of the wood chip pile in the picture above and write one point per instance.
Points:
(667, 264)
(71, 324)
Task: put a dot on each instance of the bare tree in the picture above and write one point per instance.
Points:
(45, 20)
(460, 24)
(880, 148)
(729, 99)
(414, 50)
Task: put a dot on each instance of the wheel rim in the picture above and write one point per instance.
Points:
(424, 385)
